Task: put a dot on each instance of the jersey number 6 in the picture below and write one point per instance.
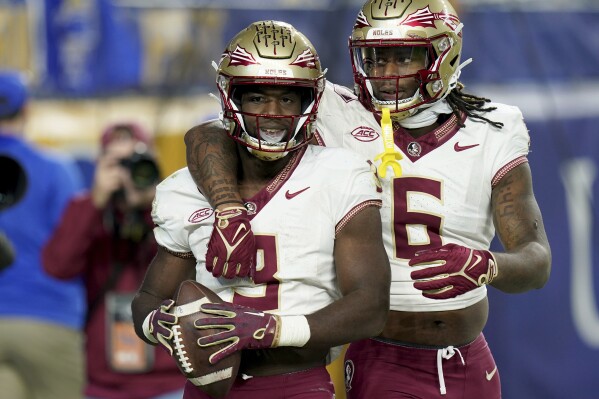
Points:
(415, 230)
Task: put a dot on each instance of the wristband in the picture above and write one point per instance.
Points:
(294, 331)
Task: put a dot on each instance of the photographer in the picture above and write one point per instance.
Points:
(106, 237)
(40, 317)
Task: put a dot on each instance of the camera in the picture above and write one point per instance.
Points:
(143, 168)
(13, 182)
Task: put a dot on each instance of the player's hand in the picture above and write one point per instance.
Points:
(160, 324)
(452, 270)
(238, 328)
(232, 246)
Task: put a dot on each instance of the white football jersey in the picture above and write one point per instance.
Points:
(294, 219)
(444, 193)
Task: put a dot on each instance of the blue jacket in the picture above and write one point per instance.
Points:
(25, 289)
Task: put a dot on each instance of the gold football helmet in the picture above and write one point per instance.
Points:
(270, 53)
(405, 54)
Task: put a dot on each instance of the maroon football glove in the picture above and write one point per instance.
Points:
(160, 324)
(461, 270)
(232, 246)
(242, 328)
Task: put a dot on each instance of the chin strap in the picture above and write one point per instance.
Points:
(429, 115)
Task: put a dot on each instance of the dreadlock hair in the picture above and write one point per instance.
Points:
(471, 105)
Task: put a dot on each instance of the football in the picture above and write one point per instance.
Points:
(214, 379)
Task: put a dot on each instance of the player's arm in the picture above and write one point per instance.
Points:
(152, 305)
(453, 269)
(526, 262)
(212, 161)
(364, 278)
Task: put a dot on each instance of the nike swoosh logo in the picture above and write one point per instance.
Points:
(459, 148)
(242, 227)
(289, 195)
(478, 259)
(491, 374)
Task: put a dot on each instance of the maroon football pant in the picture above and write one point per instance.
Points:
(383, 369)
(308, 384)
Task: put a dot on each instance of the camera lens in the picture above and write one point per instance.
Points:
(144, 173)
(143, 169)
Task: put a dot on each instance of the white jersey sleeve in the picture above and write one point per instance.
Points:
(339, 115)
(177, 206)
(513, 148)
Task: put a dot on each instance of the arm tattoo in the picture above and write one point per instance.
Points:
(516, 214)
(212, 162)
(505, 199)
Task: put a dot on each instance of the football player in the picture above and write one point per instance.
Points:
(322, 276)
(465, 178)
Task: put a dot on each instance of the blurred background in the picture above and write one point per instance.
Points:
(91, 62)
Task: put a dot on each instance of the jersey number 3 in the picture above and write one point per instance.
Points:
(267, 265)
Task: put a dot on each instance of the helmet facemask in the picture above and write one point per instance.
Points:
(393, 76)
(270, 136)
(424, 36)
(270, 56)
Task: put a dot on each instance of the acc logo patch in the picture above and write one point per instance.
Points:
(365, 134)
(200, 214)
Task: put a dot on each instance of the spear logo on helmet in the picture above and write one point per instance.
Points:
(240, 56)
(426, 19)
(305, 60)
